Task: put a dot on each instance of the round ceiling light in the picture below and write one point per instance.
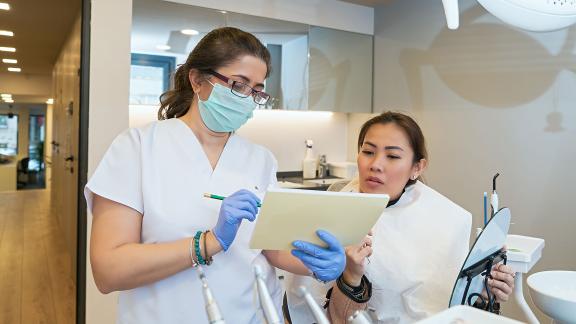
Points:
(190, 32)
(163, 47)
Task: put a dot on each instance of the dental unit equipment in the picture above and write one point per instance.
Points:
(266, 303)
(212, 310)
(494, 197)
(313, 306)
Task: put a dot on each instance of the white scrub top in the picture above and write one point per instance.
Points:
(419, 245)
(161, 171)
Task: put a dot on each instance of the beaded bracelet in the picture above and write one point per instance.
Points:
(208, 259)
(197, 248)
(194, 263)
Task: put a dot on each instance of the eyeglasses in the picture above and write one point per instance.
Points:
(243, 90)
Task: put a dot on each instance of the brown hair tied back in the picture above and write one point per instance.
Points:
(218, 48)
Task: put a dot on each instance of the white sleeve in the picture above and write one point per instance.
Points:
(273, 178)
(118, 177)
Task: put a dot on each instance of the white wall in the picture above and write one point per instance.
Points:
(353, 125)
(282, 132)
(109, 89)
(324, 13)
(490, 98)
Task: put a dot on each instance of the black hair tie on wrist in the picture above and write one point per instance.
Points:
(360, 294)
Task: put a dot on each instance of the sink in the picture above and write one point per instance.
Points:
(324, 181)
(554, 292)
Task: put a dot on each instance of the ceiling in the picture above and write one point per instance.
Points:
(40, 29)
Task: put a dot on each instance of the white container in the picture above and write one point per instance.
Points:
(346, 170)
(309, 164)
(523, 252)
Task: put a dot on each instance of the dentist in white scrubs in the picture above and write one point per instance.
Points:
(152, 225)
(416, 248)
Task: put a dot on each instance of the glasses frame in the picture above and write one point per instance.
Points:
(254, 93)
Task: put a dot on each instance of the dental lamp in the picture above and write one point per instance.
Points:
(531, 15)
(363, 317)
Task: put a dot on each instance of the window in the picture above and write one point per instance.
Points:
(9, 134)
(149, 78)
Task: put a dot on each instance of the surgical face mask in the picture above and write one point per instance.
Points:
(224, 111)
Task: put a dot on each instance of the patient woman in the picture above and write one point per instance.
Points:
(407, 267)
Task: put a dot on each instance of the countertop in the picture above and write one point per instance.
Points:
(294, 180)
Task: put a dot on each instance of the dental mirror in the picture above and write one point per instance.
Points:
(485, 251)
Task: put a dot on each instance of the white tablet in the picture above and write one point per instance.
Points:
(288, 215)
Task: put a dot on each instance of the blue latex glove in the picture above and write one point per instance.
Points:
(242, 204)
(325, 263)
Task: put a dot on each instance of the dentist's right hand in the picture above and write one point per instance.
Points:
(242, 204)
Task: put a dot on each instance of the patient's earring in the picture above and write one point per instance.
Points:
(414, 177)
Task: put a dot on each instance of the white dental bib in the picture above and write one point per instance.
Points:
(420, 244)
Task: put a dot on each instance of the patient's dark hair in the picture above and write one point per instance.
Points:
(410, 128)
(218, 48)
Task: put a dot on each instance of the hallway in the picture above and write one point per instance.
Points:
(36, 284)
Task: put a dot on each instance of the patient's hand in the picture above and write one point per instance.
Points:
(501, 284)
(356, 256)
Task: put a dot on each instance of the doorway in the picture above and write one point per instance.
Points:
(44, 88)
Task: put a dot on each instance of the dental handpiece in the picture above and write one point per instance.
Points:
(266, 302)
(315, 309)
(360, 317)
(212, 311)
(494, 197)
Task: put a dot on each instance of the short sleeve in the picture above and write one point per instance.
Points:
(273, 178)
(118, 177)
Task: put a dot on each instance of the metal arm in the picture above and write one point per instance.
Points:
(212, 310)
(315, 309)
(266, 302)
(452, 13)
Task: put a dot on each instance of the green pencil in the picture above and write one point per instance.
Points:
(213, 196)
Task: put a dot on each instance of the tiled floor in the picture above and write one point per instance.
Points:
(36, 284)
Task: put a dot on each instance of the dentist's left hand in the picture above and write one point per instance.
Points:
(325, 263)
(242, 204)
